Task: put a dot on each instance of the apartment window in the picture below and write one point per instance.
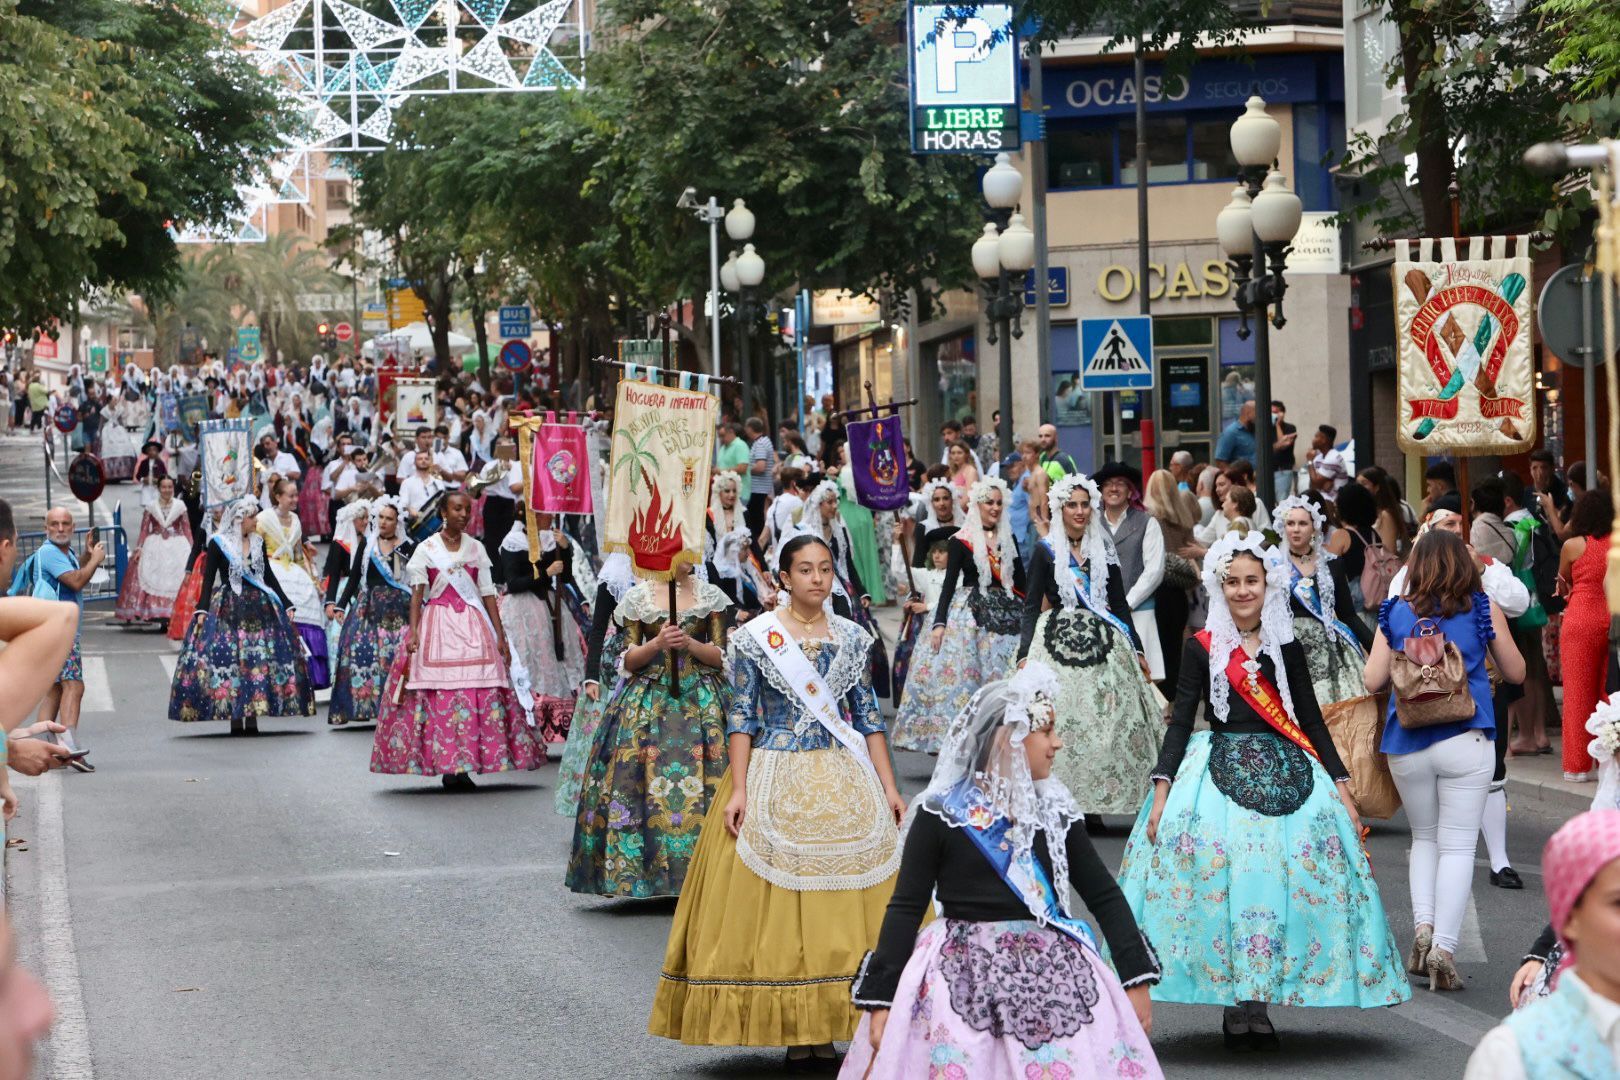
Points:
(1210, 149)
(1080, 157)
(1373, 43)
(337, 193)
(1102, 153)
(1166, 150)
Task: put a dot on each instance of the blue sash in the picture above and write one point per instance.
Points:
(1084, 579)
(1306, 593)
(382, 568)
(247, 577)
(1025, 876)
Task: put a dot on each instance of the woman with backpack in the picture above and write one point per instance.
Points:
(1432, 643)
(1369, 565)
(1584, 637)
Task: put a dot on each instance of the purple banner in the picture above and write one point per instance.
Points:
(877, 458)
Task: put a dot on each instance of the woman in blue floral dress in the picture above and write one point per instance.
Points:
(1246, 868)
(657, 758)
(241, 659)
(377, 603)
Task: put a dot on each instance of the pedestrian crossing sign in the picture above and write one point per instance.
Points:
(1117, 352)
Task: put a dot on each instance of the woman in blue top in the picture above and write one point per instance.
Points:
(1443, 771)
(788, 886)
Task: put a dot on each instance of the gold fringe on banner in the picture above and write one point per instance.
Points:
(525, 427)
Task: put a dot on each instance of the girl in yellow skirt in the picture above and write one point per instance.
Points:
(787, 888)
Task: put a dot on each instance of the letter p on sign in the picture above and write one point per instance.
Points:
(961, 41)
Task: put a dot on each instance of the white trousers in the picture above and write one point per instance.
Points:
(1443, 788)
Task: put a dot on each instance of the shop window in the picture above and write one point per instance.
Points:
(1166, 150)
(1168, 332)
(1210, 149)
(1080, 157)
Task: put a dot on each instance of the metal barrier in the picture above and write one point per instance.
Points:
(110, 535)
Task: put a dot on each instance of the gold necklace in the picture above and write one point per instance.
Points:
(804, 622)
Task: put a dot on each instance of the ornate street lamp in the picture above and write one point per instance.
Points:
(1002, 256)
(1255, 230)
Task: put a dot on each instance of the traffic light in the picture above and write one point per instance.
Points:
(323, 329)
(325, 336)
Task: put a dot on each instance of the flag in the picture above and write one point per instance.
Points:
(227, 461)
(560, 467)
(658, 494)
(877, 462)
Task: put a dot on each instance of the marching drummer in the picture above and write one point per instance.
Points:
(416, 490)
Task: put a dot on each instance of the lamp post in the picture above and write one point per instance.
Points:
(1001, 257)
(1255, 230)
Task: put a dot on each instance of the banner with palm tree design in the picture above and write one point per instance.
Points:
(658, 480)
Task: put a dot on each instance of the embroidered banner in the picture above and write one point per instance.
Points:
(193, 410)
(227, 460)
(560, 466)
(877, 462)
(1465, 377)
(168, 412)
(658, 479)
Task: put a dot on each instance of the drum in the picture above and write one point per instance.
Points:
(431, 518)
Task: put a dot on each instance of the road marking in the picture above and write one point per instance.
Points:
(260, 882)
(97, 688)
(1470, 942)
(70, 1035)
(1443, 1016)
(169, 661)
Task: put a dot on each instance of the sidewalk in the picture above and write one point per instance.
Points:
(1541, 779)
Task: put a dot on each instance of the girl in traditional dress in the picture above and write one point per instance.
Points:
(656, 760)
(976, 629)
(118, 450)
(157, 566)
(603, 647)
(1334, 639)
(375, 610)
(728, 548)
(449, 708)
(851, 597)
(241, 659)
(796, 863)
(353, 521)
(284, 546)
(546, 618)
(149, 470)
(1245, 867)
(1076, 620)
(926, 582)
(1010, 983)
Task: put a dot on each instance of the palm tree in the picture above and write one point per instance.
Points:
(633, 457)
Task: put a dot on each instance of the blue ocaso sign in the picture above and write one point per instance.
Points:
(1214, 84)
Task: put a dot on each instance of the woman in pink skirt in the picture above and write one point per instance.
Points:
(1010, 984)
(449, 707)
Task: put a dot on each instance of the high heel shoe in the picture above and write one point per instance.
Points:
(1417, 961)
(1443, 972)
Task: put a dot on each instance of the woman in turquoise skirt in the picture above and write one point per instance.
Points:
(657, 758)
(1246, 868)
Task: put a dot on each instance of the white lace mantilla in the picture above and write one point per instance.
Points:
(649, 603)
(843, 675)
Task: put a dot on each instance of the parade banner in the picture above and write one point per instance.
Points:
(227, 461)
(877, 463)
(415, 405)
(168, 412)
(1465, 377)
(561, 478)
(658, 494)
(193, 410)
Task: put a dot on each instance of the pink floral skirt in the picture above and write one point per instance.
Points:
(440, 732)
(1004, 1001)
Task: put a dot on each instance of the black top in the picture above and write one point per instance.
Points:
(1192, 691)
(1043, 587)
(1283, 460)
(925, 542)
(338, 564)
(942, 861)
(1543, 945)
(1354, 559)
(523, 576)
(1343, 609)
(960, 567)
(601, 616)
(856, 589)
(218, 565)
(368, 571)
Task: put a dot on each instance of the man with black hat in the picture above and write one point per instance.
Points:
(1140, 544)
(149, 470)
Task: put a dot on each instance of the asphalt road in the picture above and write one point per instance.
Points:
(210, 907)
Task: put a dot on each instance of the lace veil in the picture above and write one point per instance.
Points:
(1324, 577)
(973, 531)
(1276, 622)
(983, 757)
(1099, 546)
(229, 536)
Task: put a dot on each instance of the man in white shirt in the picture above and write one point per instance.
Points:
(277, 465)
(407, 460)
(1329, 470)
(415, 491)
(349, 486)
(451, 462)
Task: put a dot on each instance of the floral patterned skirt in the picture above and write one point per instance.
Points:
(1258, 889)
(1004, 1001)
(939, 684)
(366, 646)
(902, 654)
(442, 732)
(240, 661)
(649, 779)
(583, 726)
(1334, 663)
(1108, 713)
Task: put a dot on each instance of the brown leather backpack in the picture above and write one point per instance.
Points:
(1430, 680)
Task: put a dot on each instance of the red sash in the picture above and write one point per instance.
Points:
(1262, 697)
(995, 568)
